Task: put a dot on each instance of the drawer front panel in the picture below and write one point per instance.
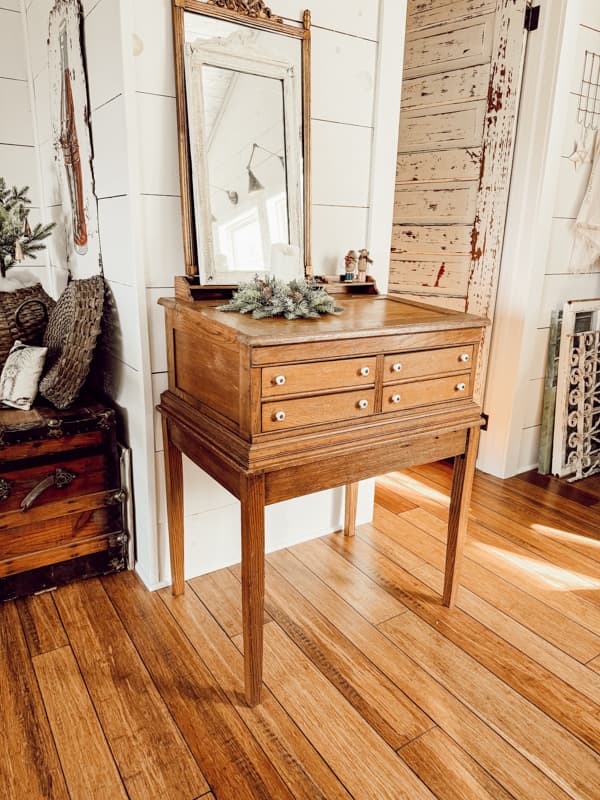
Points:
(65, 531)
(438, 390)
(318, 376)
(405, 366)
(90, 476)
(316, 410)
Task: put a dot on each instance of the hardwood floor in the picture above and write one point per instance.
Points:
(372, 688)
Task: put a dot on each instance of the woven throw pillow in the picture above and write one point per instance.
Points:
(21, 376)
(70, 337)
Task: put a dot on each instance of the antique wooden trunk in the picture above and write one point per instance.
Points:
(61, 499)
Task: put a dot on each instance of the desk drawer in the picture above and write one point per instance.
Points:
(405, 366)
(318, 376)
(284, 414)
(438, 390)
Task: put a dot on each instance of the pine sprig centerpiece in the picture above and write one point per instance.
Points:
(17, 239)
(268, 297)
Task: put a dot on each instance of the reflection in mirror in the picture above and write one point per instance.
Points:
(245, 153)
(244, 99)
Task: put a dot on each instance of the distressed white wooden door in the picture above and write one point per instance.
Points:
(460, 95)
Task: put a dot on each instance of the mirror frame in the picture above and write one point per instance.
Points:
(253, 15)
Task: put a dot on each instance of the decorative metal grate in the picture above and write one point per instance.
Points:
(576, 452)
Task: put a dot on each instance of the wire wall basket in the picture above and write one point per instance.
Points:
(588, 112)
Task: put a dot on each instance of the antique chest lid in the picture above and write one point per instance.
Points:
(44, 421)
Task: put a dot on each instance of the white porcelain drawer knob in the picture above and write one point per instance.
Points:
(396, 398)
(460, 387)
(280, 380)
(279, 416)
(363, 403)
(465, 357)
(365, 371)
(397, 367)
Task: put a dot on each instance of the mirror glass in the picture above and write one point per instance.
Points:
(243, 89)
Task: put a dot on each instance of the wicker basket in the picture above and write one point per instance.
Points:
(70, 337)
(23, 315)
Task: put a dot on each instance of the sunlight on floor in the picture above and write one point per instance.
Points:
(546, 574)
(566, 536)
(416, 486)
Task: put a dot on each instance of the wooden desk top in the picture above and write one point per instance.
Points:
(362, 316)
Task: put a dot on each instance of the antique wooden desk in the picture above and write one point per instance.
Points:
(274, 409)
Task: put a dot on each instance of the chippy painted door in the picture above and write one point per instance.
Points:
(462, 76)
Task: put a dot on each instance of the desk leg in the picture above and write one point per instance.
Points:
(252, 498)
(462, 483)
(350, 509)
(174, 482)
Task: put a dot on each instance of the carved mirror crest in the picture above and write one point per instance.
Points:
(243, 107)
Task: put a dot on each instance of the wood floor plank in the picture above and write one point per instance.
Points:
(229, 756)
(361, 592)
(487, 553)
(41, 623)
(387, 709)
(390, 499)
(29, 765)
(556, 661)
(594, 664)
(561, 488)
(565, 760)
(521, 778)
(539, 542)
(306, 774)
(494, 502)
(424, 536)
(448, 771)
(222, 592)
(89, 767)
(153, 758)
(365, 764)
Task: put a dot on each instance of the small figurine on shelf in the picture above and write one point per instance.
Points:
(350, 260)
(363, 264)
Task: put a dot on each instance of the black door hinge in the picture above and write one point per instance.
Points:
(532, 18)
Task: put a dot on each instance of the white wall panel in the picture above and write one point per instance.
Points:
(156, 330)
(17, 165)
(41, 90)
(153, 47)
(561, 245)
(357, 17)
(105, 71)
(115, 234)
(38, 15)
(15, 115)
(110, 156)
(124, 323)
(160, 382)
(158, 146)
(341, 163)
(335, 231)
(343, 78)
(163, 242)
(12, 52)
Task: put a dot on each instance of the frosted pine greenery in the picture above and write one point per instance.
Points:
(14, 208)
(269, 297)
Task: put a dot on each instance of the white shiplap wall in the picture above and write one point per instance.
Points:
(18, 162)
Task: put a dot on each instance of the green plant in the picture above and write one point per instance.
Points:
(17, 239)
(269, 297)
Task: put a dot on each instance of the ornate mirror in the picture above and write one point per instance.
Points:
(243, 81)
